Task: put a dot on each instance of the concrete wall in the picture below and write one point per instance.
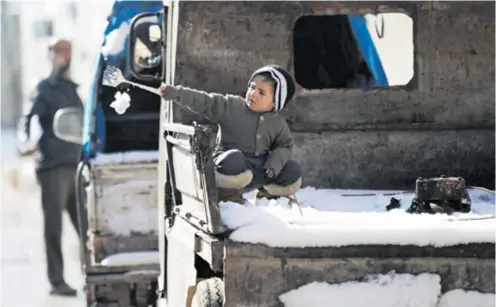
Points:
(10, 66)
(442, 122)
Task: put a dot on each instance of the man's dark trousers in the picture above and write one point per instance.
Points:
(57, 194)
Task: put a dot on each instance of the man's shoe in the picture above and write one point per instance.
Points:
(63, 289)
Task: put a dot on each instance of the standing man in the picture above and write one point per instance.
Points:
(57, 159)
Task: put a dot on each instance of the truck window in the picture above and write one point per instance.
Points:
(138, 127)
(353, 51)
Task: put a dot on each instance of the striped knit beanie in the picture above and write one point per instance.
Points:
(285, 85)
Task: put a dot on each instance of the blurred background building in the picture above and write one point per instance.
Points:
(25, 29)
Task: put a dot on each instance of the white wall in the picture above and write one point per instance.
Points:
(84, 29)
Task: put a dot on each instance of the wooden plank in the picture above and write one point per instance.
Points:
(120, 269)
(137, 276)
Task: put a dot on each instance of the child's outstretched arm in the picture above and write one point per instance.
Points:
(281, 152)
(212, 106)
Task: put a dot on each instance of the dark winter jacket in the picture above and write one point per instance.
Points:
(50, 95)
(254, 134)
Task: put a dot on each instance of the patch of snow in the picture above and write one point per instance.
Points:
(389, 290)
(115, 40)
(462, 298)
(330, 219)
(121, 103)
(132, 258)
(126, 157)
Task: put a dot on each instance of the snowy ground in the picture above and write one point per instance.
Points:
(23, 278)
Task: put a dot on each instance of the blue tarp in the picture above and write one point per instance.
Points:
(369, 51)
(122, 11)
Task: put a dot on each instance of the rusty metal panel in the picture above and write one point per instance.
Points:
(125, 199)
(447, 108)
(384, 159)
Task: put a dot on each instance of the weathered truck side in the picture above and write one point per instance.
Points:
(206, 267)
(442, 121)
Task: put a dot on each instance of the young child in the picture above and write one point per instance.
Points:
(255, 143)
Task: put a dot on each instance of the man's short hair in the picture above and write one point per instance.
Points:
(54, 41)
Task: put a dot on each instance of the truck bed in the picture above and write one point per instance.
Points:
(267, 249)
(122, 205)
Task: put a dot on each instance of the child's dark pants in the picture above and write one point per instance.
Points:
(233, 162)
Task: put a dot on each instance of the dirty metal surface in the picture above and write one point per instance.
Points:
(441, 122)
(125, 199)
(249, 267)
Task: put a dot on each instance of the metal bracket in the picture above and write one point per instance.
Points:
(200, 145)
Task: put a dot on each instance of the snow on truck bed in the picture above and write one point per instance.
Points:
(388, 290)
(331, 219)
(127, 157)
(132, 258)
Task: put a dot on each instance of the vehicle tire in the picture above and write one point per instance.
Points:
(209, 293)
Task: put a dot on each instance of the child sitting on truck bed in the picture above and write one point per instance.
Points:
(255, 144)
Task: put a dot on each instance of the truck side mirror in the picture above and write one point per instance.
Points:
(146, 52)
(68, 125)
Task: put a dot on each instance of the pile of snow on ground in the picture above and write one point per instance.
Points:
(126, 157)
(330, 219)
(390, 290)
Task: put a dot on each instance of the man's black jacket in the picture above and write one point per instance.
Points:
(50, 95)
